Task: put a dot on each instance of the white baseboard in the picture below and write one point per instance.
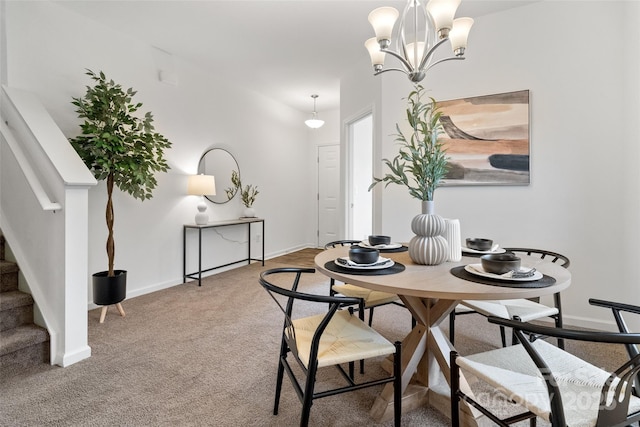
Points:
(176, 282)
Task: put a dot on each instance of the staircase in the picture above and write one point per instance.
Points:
(22, 343)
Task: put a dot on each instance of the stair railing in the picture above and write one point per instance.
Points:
(44, 217)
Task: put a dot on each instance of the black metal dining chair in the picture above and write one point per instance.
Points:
(549, 382)
(333, 338)
(372, 299)
(525, 309)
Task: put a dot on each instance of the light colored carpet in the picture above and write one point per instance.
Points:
(207, 356)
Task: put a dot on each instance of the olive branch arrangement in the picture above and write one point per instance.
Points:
(247, 194)
(421, 155)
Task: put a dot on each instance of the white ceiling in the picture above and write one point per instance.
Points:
(285, 49)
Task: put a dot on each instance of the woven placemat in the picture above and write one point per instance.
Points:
(540, 283)
(395, 268)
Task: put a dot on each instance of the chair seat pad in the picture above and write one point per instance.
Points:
(523, 308)
(511, 371)
(371, 298)
(346, 339)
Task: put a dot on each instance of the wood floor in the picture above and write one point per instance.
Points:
(302, 258)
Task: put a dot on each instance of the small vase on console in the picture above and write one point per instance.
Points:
(249, 213)
(428, 246)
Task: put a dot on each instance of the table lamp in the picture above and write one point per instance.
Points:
(202, 185)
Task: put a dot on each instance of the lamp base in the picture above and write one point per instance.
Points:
(201, 217)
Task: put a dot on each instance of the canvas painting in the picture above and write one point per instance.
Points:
(487, 139)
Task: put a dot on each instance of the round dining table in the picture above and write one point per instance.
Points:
(430, 293)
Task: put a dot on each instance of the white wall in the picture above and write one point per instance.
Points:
(49, 48)
(579, 61)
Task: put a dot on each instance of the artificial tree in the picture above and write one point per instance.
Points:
(118, 145)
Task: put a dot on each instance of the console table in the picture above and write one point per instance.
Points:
(198, 274)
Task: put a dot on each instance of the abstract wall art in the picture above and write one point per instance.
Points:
(487, 139)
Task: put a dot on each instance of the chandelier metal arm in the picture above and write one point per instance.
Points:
(405, 63)
(390, 69)
(451, 58)
(430, 54)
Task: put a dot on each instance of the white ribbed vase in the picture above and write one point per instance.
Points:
(428, 246)
(452, 235)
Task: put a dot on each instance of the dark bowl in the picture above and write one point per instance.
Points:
(379, 240)
(361, 255)
(500, 263)
(479, 244)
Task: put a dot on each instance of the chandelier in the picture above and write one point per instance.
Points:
(423, 29)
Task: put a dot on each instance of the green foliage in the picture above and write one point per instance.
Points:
(421, 162)
(235, 180)
(114, 140)
(247, 194)
(118, 145)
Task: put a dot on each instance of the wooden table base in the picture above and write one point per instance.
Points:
(425, 366)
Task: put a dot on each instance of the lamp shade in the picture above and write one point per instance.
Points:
(442, 13)
(377, 56)
(412, 54)
(314, 123)
(459, 34)
(201, 185)
(382, 20)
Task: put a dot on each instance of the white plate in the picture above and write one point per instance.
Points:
(494, 250)
(387, 263)
(476, 269)
(366, 244)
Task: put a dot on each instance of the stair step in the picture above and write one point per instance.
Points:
(8, 276)
(16, 308)
(24, 360)
(13, 299)
(21, 337)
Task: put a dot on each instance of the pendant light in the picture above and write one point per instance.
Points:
(314, 122)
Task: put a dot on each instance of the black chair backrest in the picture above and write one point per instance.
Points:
(609, 414)
(617, 308)
(544, 254)
(334, 302)
(337, 243)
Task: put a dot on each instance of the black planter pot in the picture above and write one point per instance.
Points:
(109, 290)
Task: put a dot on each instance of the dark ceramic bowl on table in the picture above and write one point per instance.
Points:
(375, 240)
(500, 263)
(479, 244)
(361, 255)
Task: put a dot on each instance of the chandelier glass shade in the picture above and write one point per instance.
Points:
(314, 122)
(423, 29)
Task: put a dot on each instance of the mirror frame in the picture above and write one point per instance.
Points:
(222, 183)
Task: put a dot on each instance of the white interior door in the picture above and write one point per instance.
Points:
(328, 193)
(360, 170)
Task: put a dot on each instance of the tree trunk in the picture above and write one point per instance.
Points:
(109, 216)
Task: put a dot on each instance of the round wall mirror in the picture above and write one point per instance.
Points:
(221, 164)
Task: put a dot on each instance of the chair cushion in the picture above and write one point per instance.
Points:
(371, 298)
(346, 339)
(523, 308)
(511, 371)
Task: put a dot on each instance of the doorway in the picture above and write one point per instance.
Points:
(360, 175)
(328, 194)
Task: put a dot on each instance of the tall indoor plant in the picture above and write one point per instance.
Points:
(420, 165)
(121, 147)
